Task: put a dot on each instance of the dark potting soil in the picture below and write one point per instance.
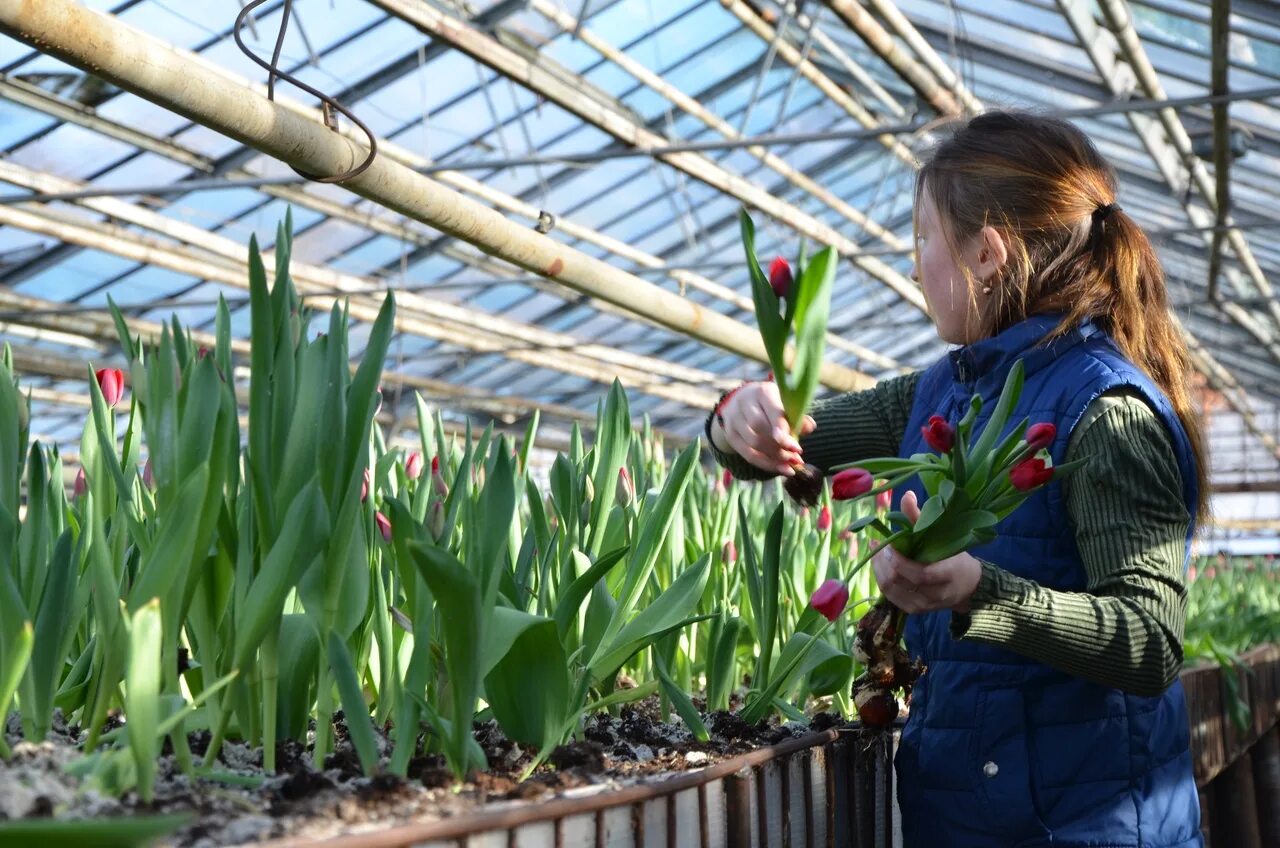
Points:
(301, 801)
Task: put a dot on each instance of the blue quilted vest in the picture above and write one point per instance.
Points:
(1000, 750)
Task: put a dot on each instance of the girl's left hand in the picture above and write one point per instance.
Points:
(916, 588)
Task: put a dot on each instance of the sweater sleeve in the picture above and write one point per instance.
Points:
(850, 426)
(1125, 630)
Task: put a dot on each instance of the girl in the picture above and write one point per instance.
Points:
(1050, 712)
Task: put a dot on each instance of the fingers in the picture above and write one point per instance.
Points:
(911, 507)
(912, 587)
(757, 430)
(808, 425)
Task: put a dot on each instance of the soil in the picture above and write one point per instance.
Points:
(301, 801)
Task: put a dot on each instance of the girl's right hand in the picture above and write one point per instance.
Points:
(756, 429)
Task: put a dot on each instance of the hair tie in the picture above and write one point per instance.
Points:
(1104, 211)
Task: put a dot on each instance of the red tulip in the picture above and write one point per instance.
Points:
(384, 525)
(81, 484)
(729, 553)
(413, 466)
(884, 500)
(824, 520)
(939, 434)
(851, 483)
(111, 381)
(202, 352)
(435, 465)
(1040, 436)
(780, 277)
(1030, 474)
(830, 599)
(625, 492)
(726, 478)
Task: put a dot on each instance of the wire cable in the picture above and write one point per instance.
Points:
(328, 105)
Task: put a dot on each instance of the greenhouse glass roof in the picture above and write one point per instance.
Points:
(106, 195)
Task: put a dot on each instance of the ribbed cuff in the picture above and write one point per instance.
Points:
(985, 620)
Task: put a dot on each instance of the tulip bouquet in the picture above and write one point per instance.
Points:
(973, 481)
(793, 305)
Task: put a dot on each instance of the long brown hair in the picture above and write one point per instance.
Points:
(1042, 184)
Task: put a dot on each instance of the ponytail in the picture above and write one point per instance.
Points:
(1043, 184)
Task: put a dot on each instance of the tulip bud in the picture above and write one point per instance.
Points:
(477, 476)
(435, 522)
(717, 486)
(626, 490)
(850, 538)
(588, 490)
(378, 406)
(384, 526)
(729, 553)
(830, 599)
(435, 464)
(81, 485)
(364, 487)
(780, 277)
(939, 434)
(884, 500)
(148, 475)
(726, 478)
(851, 483)
(1030, 474)
(824, 520)
(1040, 436)
(413, 466)
(111, 382)
(202, 352)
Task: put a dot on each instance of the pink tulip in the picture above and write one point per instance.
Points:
(729, 553)
(81, 485)
(413, 466)
(148, 475)
(625, 492)
(830, 599)
(884, 500)
(364, 487)
(851, 483)
(384, 525)
(111, 381)
(1040, 436)
(824, 520)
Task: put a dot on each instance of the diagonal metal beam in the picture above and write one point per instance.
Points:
(432, 319)
(903, 28)
(141, 63)
(1121, 61)
(376, 219)
(543, 77)
(795, 57)
(882, 44)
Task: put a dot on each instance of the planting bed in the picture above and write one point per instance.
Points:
(303, 802)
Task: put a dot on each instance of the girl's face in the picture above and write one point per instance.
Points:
(952, 281)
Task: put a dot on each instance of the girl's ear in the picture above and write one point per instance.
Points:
(993, 253)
